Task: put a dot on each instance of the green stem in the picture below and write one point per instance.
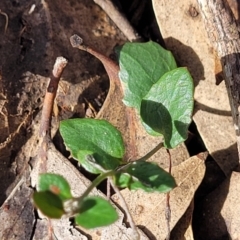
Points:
(144, 158)
(72, 206)
(96, 182)
(151, 153)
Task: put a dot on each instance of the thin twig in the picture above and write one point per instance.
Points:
(119, 19)
(12, 135)
(22, 180)
(58, 68)
(168, 208)
(44, 131)
(152, 152)
(125, 207)
(6, 17)
(144, 158)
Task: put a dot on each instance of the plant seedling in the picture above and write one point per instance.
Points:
(162, 95)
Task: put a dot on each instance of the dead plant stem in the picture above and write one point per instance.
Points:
(6, 17)
(44, 131)
(119, 19)
(125, 207)
(168, 207)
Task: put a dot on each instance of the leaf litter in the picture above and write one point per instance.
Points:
(212, 114)
(144, 143)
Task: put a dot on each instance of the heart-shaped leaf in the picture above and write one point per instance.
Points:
(56, 184)
(96, 212)
(84, 137)
(167, 108)
(142, 65)
(146, 176)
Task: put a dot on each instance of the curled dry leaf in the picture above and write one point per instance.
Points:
(148, 209)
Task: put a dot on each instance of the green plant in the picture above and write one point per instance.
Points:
(162, 95)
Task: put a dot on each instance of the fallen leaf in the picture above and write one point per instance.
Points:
(17, 214)
(186, 37)
(183, 229)
(148, 209)
(231, 210)
(219, 218)
(49, 40)
(62, 230)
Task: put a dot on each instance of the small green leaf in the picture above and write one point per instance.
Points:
(55, 184)
(96, 212)
(142, 65)
(167, 108)
(146, 176)
(49, 204)
(84, 137)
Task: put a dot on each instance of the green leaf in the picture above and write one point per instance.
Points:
(56, 184)
(147, 176)
(49, 204)
(167, 108)
(84, 137)
(96, 212)
(142, 65)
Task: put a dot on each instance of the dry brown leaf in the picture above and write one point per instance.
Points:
(183, 228)
(45, 31)
(231, 209)
(220, 211)
(148, 209)
(184, 34)
(188, 235)
(54, 20)
(62, 230)
(33, 40)
(17, 211)
(17, 214)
